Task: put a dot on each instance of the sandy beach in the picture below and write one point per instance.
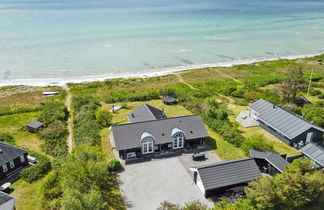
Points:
(141, 74)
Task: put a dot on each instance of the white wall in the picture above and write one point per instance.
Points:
(200, 184)
(9, 205)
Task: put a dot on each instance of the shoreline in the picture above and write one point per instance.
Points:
(142, 74)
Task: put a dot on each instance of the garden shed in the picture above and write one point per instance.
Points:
(34, 126)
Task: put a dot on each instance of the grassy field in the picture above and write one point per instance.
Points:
(20, 98)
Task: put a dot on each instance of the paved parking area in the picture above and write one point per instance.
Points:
(145, 185)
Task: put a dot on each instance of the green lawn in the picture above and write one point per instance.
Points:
(28, 195)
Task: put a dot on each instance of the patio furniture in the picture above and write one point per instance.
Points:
(198, 156)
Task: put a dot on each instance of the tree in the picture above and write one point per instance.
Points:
(104, 117)
(292, 85)
(257, 142)
(297, 187)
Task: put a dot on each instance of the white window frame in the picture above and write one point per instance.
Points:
(12, 164)
(4, 168)
(147, 145)
(309, 137)
(178, 140)
(22, 158)
(130, 155)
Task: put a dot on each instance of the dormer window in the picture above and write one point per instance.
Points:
(147, 141)
(178, 138)
(4, 168)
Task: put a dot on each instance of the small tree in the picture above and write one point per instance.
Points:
(7, 138)
(292, 85)
(104, 117)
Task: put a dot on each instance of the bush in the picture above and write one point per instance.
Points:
(37, 171)
(53, 111)
(114, 165)
(55, 130)
(104, 117)
(7, 138)
(258, 142)
(321, 96)
(314, 92)
(87, 102)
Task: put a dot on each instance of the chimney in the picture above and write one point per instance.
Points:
(274, 106)
(113, 108)
(162, 117)
(133, 116)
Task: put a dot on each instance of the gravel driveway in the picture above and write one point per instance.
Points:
(145, 185)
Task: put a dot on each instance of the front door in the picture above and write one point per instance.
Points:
(309, 137)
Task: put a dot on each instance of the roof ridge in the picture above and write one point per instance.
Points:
(155, 120)
(223, 163)
(292, 113)
(149, 107)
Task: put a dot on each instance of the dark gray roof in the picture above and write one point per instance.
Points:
(273, 158)
(128, 135)
(168, 99)
(9, 152)
(145, 112)
(314, 152)
(282, 120)
(228, 173)
(4, 197)
(35, 124)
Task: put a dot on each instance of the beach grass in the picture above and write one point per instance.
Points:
(18, 99)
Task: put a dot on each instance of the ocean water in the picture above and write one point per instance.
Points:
(66, 39)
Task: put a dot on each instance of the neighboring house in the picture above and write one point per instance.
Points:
(145, 112)
(222, 176)
(7, 202)
(34, 126)
(156, 136)
(12, 160)
(314, 152)
(269, 162)
(285, 125)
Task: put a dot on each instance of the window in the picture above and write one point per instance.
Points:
(131, 155)
(309, 137)
(12, 164)
(147, 145)
(22, 158)
(178, 140)
(4, 168)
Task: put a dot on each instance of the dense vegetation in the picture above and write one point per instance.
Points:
(86, 128)
(37, 171)
(299, 186)
(7, 138)
(84, 181)
(54, 116)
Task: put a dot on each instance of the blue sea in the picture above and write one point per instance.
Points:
(58, 40)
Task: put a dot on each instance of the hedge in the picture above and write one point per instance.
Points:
(37, 171)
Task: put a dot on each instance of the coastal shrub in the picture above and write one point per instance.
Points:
(89, 102)
(55, 130)
(314, 114)
(272, 96)
(314, 92)
(51, 189)
(321, 96)
(7, 138)
(9, 110)
(37, 171)
(114, 96)
(258, 142)
(104, 117)
(114, 165)
(239, 93)
(53, 111)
